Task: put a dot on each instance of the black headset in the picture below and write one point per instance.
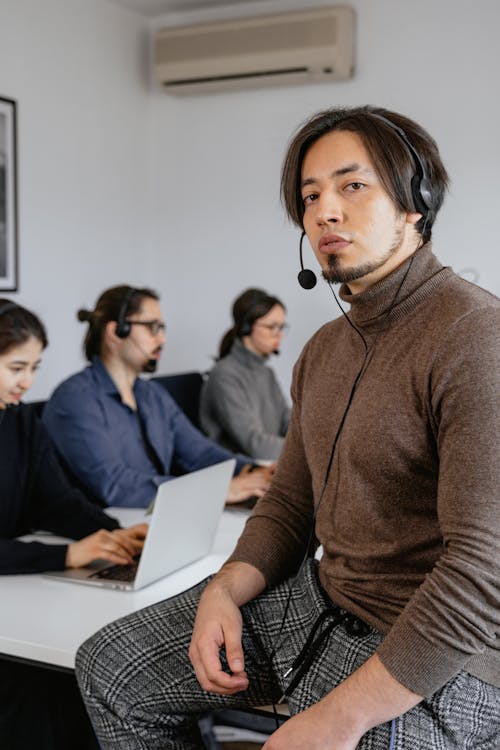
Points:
(123, 326)
(246, 325)
(7, 307)
(421, 189)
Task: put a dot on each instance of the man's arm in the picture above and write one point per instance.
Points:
(192, 450)
(455, 614)
(368, 697)
(94, 452)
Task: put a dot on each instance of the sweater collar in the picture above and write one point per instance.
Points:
(397, 294)
(245, 356)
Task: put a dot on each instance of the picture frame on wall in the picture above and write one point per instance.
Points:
(8, 196)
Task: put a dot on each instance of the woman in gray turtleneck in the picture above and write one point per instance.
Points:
(242, 406)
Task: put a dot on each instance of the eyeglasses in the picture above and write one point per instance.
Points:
(274, 327)
(154, 326)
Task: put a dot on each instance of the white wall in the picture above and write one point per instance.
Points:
(78, 70)
(122, 183)
(219, 226)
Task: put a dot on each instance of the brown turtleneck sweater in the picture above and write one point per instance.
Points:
(410, 518)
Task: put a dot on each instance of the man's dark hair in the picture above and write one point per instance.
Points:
(17, 325)
(110, 306)
(392, 158)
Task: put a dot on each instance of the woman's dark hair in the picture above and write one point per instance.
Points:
(17, 325)
(117, 303)
(392, 158)
(251, 305)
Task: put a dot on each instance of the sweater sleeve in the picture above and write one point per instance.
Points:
(30, 557)
(50, 504)
(455, 614)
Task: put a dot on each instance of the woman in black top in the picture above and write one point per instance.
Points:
(34, 491)
(41, 708)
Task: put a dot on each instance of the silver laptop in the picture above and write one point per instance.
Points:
(181, 530)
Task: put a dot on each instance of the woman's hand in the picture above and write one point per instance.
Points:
(249, 483)
(119, 546)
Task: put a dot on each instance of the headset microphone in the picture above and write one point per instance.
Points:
(306, 278)
(151, 364)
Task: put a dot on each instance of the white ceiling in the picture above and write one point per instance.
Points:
(158, 7)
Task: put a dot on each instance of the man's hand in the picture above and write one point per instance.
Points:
(218, 624)
(368, 697)
(249, 483)
(119, 546)
(314, 729)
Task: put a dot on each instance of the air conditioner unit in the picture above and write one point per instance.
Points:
(290, 48)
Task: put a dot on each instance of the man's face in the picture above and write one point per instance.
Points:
(142, 344)
(357, 233)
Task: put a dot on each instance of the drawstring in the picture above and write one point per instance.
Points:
(303, 661)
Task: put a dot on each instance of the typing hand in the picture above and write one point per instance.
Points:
(119, 546)
(249, 484)
(266, 471)
(218, 623)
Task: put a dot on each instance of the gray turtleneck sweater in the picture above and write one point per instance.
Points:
(410, 518)
(242, 406)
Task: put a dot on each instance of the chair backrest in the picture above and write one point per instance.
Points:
(185, 388)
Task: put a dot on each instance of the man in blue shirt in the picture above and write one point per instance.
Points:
(121, 436)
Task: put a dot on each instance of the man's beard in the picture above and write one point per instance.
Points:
(336, 275)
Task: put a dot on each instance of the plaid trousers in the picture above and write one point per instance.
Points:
(142, 694)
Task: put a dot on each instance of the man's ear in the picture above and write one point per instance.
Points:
(110, 331)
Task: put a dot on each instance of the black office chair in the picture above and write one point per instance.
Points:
(185, 388)
(234, 727)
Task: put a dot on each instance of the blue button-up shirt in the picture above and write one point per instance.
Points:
(100, 438)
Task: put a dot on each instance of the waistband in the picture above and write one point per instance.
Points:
(331, 617)
(353, 625)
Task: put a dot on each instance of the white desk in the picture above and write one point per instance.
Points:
(46, 620)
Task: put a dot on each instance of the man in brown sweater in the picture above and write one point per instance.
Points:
(392, 458)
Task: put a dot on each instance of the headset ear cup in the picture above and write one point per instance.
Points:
(422, 194)
(245, 330)
(426, 192)
(122, 330)
(123, 327)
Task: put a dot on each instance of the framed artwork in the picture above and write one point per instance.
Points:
(8, 196)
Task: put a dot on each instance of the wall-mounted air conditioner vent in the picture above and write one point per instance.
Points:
(298, 47)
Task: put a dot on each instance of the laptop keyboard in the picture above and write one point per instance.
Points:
(124, 573)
